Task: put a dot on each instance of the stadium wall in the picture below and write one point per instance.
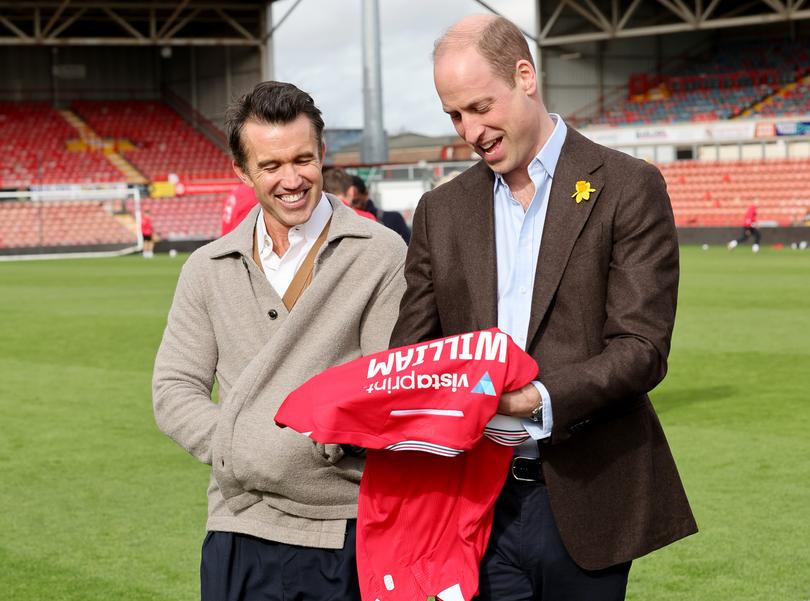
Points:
(72, 251)
(82, 72)
(208, 78)
(714, 236)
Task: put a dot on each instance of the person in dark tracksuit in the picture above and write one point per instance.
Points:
(390, 219)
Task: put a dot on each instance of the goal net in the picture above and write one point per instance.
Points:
(69, 223)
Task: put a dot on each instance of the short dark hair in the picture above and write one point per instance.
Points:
(271, 102)
(336, 181)
(360, 184)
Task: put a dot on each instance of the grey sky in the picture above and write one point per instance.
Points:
(319, 49)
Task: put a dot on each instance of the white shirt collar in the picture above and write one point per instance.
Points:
(307, 232)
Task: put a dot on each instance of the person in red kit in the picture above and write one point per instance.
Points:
(237, 205)
(749, 229)
(148, 232)
(424, 518)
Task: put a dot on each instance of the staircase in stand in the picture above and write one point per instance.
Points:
(92, 140)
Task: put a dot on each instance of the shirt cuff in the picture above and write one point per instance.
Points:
(540, 431)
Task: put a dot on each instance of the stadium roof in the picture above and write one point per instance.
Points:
(573, 21)
(136, 22)
(249, 22)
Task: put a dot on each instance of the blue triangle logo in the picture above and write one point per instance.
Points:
(485, 386)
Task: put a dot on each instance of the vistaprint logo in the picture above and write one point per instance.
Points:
(395, 371)
(412, 381)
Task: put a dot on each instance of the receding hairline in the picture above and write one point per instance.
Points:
(463, 34)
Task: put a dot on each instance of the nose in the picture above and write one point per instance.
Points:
(471, 129)
(290, 178)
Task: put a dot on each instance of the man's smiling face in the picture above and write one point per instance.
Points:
(283, 166)
(499, 122)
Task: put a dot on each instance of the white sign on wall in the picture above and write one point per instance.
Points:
(70, 71)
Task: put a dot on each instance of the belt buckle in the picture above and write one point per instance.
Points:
(515, 476)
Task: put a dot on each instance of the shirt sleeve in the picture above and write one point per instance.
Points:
(184, 371)
(540, 431)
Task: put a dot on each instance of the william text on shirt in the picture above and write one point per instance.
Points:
(435, 396)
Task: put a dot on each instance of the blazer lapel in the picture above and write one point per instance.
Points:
(475, 240)
(565, 218)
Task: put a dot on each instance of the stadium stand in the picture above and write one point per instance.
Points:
(163, 142)
(58, 224)
(699, 105)
(793, 99)
(42, 146)
(33, 149)
(716, 193)
(187, 218)
(736, 80)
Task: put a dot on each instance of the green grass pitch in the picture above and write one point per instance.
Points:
(96, 504)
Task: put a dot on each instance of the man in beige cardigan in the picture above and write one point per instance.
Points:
(302, 284)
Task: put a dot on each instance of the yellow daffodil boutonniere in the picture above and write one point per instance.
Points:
(583, 191)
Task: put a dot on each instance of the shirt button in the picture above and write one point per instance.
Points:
(523, 290)
(272, 313)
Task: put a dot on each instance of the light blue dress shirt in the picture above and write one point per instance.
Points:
(517, 241)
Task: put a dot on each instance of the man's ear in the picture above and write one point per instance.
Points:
(351, 193)
(526, 77)
(241, 174)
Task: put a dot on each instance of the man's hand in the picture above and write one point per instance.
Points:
(519, 403)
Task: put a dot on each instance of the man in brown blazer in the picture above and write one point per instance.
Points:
(571, 248)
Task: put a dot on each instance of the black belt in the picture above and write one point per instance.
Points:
(527, 469)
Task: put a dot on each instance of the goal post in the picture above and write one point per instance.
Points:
(70, 223)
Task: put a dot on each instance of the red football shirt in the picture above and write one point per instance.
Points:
(423, 518)
(146, 225)
(750, 216)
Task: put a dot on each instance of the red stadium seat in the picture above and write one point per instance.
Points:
(164, 142)
(33, 149)
(708, 193)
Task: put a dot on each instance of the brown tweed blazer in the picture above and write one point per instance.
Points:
(603, 309)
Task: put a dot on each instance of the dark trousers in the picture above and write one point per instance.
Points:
(237, 567)
(749, 231)
(526, 559)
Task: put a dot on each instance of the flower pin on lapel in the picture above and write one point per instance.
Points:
(583, 191)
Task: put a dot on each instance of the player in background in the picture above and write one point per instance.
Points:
(237, 205)
(749, 229)
(148, 232)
